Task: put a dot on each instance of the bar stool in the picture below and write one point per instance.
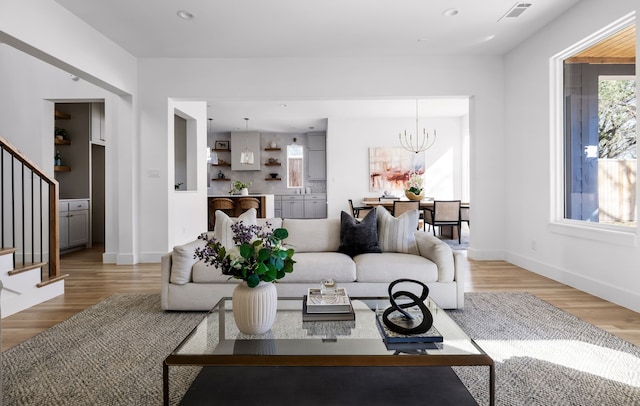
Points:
(246, 203)
(219, 203)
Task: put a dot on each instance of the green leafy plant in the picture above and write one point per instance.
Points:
(258, 254)
(239, 185)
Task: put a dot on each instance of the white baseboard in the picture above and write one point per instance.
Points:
(151, 257)
(614, 294)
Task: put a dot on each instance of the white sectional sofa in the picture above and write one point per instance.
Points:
(189, 284)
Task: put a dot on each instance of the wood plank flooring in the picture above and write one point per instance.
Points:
(90, 281)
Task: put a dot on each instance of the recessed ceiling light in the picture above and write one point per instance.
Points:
(185, 15)
(283, 105)
(450, 12)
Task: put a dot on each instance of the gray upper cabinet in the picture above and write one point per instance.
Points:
(241, 142)
(317, 169)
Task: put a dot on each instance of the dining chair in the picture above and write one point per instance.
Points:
(464, 216)
(356, 211)
(444, 213)
(403, 206)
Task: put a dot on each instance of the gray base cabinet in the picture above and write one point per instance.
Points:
(315, 206)
(74, 223)
(293, 207)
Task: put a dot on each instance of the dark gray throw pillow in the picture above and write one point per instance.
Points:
(358, 237)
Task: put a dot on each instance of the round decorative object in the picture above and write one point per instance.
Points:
(244, 191)
(254, 309)
(413, 196)
(273, 144)
(409, 324)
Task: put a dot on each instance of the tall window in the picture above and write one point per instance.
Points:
(600, 135)
(295, 157)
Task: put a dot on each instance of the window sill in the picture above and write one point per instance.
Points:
(597, 232)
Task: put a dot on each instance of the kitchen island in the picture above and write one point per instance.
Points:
(266, 209)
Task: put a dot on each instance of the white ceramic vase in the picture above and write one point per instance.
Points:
(244, 191)
(254, 309)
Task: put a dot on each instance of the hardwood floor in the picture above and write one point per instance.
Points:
(90, 281)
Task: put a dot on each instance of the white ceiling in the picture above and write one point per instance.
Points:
(314, 28)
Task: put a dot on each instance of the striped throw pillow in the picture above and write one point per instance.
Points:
(395, 234)
(222, 229)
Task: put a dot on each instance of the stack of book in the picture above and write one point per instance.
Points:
(333, 307)
(397, 341)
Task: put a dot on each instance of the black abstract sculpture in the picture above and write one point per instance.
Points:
(409, 324)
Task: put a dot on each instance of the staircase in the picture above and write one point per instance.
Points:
(29, 233)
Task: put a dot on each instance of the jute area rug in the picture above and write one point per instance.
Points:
(112, 353)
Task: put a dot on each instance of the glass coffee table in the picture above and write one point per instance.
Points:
(216, 341)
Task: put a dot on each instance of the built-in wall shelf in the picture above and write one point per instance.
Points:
(58, 141)
(272, 178)
(221, 149)
(273, 164)
(62, 169)
(273, 149)
(61, 116)
(220, 180)
(224, 164)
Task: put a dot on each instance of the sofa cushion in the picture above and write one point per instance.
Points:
(395, 234)
(313, 235)
(389, 266)
(222, 230)
(311, 267)
(438, 252)
(203, 273)
(358, 237)
(182, 260)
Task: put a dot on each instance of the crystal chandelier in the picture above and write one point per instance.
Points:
(416, 146)
(246, 157)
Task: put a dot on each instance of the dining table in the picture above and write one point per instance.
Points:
(426, 203)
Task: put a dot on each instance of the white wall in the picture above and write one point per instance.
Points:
(187, 210)
(607, 267)
(76, 48)
(349, 140)
(334, 78)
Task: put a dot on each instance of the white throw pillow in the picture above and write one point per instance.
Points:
(395, 234)
(182, 260)
(222, 231)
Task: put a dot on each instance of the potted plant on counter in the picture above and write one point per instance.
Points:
(240, 188)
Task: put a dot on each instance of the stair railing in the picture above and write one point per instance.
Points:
(29, 218)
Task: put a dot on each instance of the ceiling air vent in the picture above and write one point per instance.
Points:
(516, 10)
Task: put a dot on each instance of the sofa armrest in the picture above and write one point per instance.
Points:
(165, 278)
(461, 268)
(439, 253)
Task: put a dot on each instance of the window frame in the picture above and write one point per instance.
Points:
(619, 235)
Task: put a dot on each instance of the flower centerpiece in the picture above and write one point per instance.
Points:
(257, 258)
(240, 187)
(415, 187)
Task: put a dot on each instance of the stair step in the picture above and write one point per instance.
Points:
(7, 251)
(52, 280)
(26, 267)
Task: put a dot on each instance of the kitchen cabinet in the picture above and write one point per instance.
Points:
(293, 207)
(315, 206)
(277, 206)
(317, 162)
(74, 223)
